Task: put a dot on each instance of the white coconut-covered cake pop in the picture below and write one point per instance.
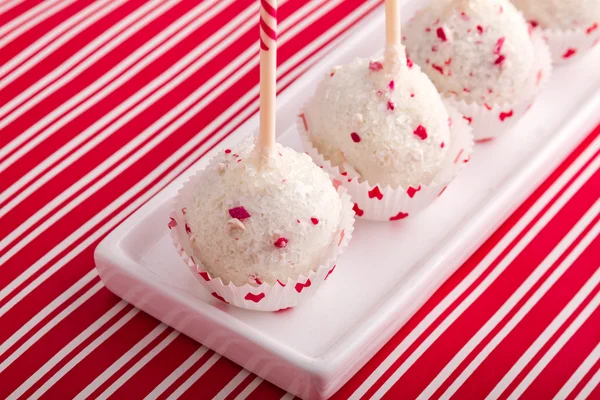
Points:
(562, 14)
(385, 121)
(479, 51)
(254, 221)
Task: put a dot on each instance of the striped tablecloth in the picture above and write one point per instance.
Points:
(104, 102)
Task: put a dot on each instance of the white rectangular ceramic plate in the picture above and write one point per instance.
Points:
(389, 270)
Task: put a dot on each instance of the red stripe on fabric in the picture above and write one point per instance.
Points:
(584, 381)
(512, 386)
(15, 12)
(186, 375)
(424, 370)
(17, 45)
(120, 138)
(83, 364)
(68, 49)
(506, 354)
(42, 295)
(7, 332)
(55, 340)
(463, 272)
(85, 78)
(157, 369)
(269, 8)
(574, 352)
(239, 388)
(105, 355)
(266, 391)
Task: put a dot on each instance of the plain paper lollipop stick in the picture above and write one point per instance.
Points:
(268, 76)
(392, 23)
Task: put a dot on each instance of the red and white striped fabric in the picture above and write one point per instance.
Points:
(104, 102)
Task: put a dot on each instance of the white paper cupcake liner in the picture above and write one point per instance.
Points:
(263, 297)
(491, 121)
(567, 46)
(377, 203)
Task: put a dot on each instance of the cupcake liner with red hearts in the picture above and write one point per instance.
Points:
(567, 46)
(384, 203)
(262, 297)
(490, 121)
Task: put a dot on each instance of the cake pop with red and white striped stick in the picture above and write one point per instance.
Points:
(263, 221)
(382, 121)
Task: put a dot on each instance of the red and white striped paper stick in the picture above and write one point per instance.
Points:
(268, 75)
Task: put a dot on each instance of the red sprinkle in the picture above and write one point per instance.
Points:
(315, 221)
(487, 106)
(438, 68)
(504, 115)
(592, 28)
(409, 63)
(281, 283)
(399, 216)
(355, 137)
(441, 34)
(570, 53)
(443, 190)
(480, 29)
(466, 90)
(391, 85)
(281, 243)
(534, 24)
(227, 151)
(375, 66)
(184, 210)
(465, 16)
(188, 229)
(258, 281)
(172, 223)
(448, 61)
(391, 105)
(442, 145)
(421, 132)
(239, 213)
(375, 193)
(500, 60)
(412, 95)
(379, 93)
(499, 45)
(411, 191)
(469, 119)
(357, 210)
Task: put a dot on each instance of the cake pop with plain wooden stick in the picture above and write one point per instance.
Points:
(382, 121)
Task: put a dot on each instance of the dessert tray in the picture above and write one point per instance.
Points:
(389, 269)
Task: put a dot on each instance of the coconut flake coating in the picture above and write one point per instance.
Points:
(387, 124)
(477, 50)
(562, 14)
(251, 224)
